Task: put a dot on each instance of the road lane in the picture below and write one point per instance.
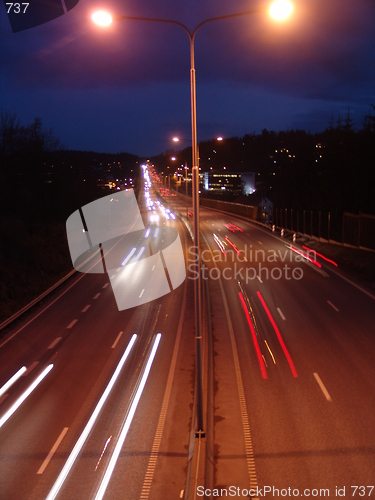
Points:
(85, 356)
(301, 438)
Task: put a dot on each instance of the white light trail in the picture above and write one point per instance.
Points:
(130, 255)
(27, 393)
(13, 379)
(138, 256)
(128, 421)
(86, 431)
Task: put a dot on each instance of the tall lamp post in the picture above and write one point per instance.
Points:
(178, 139)
(279, 10)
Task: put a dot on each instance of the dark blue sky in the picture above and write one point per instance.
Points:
(126, 87)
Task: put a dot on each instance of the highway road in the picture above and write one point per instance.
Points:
(294, 388)
(48, 447)
(297, 346)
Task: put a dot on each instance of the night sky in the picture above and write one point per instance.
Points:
(127, 87)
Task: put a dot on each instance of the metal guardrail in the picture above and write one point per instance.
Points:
(35, 301)
(249, 211)
(358, 230)
(352, 230)
(43, 295)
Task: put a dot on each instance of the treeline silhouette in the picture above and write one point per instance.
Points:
(329, 171)
(41, 180)
(41, 184)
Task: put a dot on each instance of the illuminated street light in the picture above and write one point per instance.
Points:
(279, 11)
(219, 138)
(102, 18)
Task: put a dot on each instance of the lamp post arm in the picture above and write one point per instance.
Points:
(120, 17)
(227, 16)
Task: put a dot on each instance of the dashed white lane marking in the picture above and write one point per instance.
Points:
(117, 339)
(153, 267)
(71, 324)
(85, 308)
(281, 314)
(56, 341)
(334, 307)
(142, 292)
(322, 386)
(260, 243)
(53, 450)
(111, 278)
(31, 367)
(105, 286)
(96, 296)
(259, 279)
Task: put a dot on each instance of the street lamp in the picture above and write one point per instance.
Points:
(102, 18)
(279, 10)
(178, 139)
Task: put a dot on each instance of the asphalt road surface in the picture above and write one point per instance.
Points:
(80, 331)
(294, 388)
(295, 343)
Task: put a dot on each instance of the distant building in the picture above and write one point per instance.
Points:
(265, 206)
(229, 182)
